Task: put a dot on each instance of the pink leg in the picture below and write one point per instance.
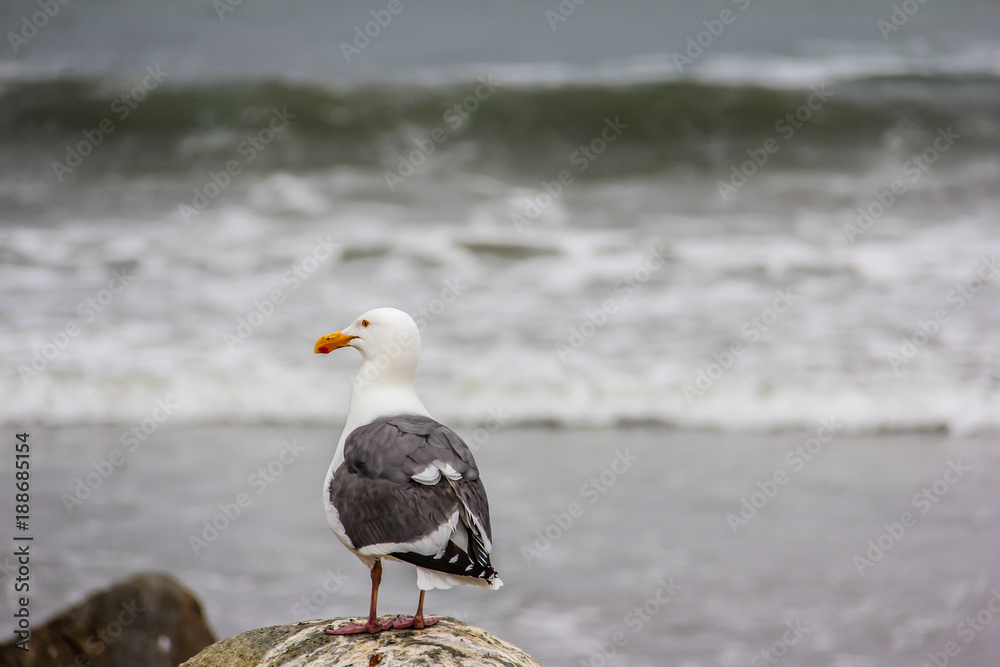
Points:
(419, 621)
(372, 626)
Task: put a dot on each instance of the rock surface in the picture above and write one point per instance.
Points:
(149, 620)
(449, 643)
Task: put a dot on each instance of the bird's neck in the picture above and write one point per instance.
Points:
(379, 393)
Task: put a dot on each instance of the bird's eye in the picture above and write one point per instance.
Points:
(365, 323)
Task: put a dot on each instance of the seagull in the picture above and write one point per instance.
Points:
(402, 486)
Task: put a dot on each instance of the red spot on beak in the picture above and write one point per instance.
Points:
(324, 350)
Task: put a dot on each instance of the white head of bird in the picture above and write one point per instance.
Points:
(389, 342)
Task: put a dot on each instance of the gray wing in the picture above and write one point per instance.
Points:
(404, 480)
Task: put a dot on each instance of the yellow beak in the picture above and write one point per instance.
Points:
(331, 342)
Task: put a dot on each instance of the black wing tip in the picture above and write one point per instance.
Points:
(491, 576)
(462, 566)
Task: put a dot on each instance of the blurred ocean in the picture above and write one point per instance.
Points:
(526, 169)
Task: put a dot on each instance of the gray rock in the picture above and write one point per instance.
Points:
(449, 643)
(148, 620)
